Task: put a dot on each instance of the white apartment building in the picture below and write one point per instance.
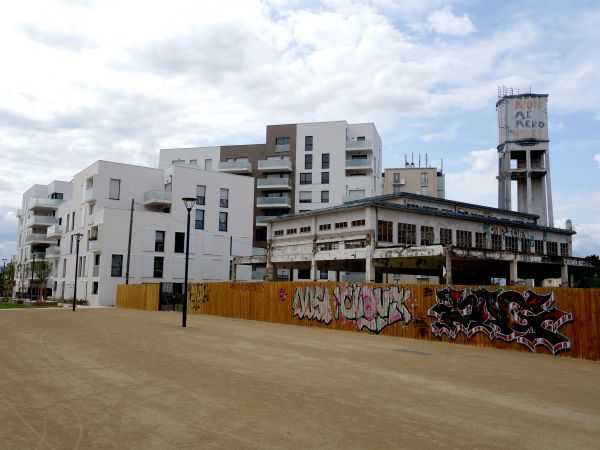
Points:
(97, 204)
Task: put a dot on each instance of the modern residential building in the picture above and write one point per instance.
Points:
(394, 236)
(415, 180)
(97, 204)
(523, 152)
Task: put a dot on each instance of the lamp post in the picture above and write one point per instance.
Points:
(189, 204)
(31, 284)
(78, 237)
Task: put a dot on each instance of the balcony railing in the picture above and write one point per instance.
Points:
(54, 231)
(359, 145)
(96, 271)
(44, 203)
(19, 213)
(275, 165)
(161, 197)
(352, 197)
(359, 163)
(235, 166)
(274, 183)
(36, 238)
(38, 256)
(399, 182)
(274, 202)
(53, 252)
(93, 245)
(282, 147)
(89, 195)
(90, 219)
(41, 220)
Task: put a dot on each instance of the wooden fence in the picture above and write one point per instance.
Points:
(138, 296)
(559, 321)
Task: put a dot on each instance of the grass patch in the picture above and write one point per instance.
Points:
(12, 305)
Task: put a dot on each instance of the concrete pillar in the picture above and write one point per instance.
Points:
(233, 270)
(369, 270)
(313, 269)
(564, 275)
(269, 269)
(513, 272)
(448, 252)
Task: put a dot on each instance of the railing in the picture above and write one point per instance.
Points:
(44, 202)
(38, 256)
(282, 147)
(354, 145)
(235, 166)
(273, 182)
(53, 251)
(54, 230)
(399, 182)
(36, 237)
(160, 195)
(284, 201)
(359, 163)
(93, 245)
(96, 271)
(258, 275)
(42, 220)
(272, 164)
(88, 195)
(351, 198)
(90, 219)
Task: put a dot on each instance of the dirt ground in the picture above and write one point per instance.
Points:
(111, 378)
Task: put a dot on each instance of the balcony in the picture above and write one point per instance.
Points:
(36, 238)
(19, 213)
(274, 202)
(235, 167)
(53, 252)
(36, 220)
(352, 197)
(90, 219)
(275, 165)
(261, 221)
(399, 182)
(277, 184)
(38, 256)
(158, 198)
(44, 204)
(359, 164)
(96, 270)
(89, 195)
(359, 145)
(54, 231)
(93, 245)
(282, 148)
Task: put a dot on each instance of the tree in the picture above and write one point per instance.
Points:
(8, 279)
(23, 269)
(42, 271)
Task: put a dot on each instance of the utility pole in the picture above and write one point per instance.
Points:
(129, 243)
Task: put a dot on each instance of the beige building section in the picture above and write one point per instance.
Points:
(414, 180)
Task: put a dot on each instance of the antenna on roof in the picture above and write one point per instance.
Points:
(419, 160)
(442, 168)
(426, 163)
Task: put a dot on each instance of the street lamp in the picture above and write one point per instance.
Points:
(31, 284)
(189, 204)
(78, 237)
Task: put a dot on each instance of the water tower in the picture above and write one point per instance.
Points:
(523, 153)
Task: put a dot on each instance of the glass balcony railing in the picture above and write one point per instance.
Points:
(359, 145)
(38, 256)
(54, 230)
(274, 202)
(275, 165)
(41, 220)
(282, 147)
(88, 195)
(235, 166)
(271, 183)
(158, 196)
(47, 203)
(39, 238)
(53, 252)
(93, 245)
(359, 163)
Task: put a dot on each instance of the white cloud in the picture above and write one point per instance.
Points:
(597, 159)
(444, 21)
(477, 182)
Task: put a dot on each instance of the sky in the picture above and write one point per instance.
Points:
(83, 80)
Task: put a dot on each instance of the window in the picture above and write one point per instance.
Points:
(324, 196)
(396, 178)
(325, 161)
(525, 245)
(324, 177)
(360, 138)
(496, 242)
(445, 236)
(260, 234)
(179, 242)
(200, 194)
(282, 141)
(291, 231)
(463, 238)
(304, 229)
(305, 196)
(551, 248)
(426, 235)
(95, 288)
(385, 231)
(511, 243)
(564, 249)
(303, 274)
(306, 178)
(358, 223)
(199, 222)
(114, 191)
(323, 275)
(480, 240)
(308, 162)
(224, 198)
(91, 208)
(407, 233)
(327, 246)
(308, 143)
(158, 266)
(325, 227)
(193, 162)
(159, 241)
(208, 164)
(339, 225)
(278, 232)
(68, 222)
(349, 245)
(116, 266)
(178, 161)
(64, 268)
(539, 247)
(424, 178)
(424, 190)
(222, 221)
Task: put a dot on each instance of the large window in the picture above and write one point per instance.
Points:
(308, 143)
(305, 196)
(525, 245)
(445, 236)
(480, 240)
(396, 178)
(564, 249)
(424, 178)
(496, 242)
(224, 198)
(385, 231)
(463, 238)
(159, 241)
(539, 247)
(200, 195)
(179, 242)
(551, 248)
(325, 161)
(114, 190)
(324, 196)
(308, 162)
(199, 222)
(511, 243)
(282, 141)
(324, 177)
(407, 233)
(222, 221)
(426, 235)
(158, 266)
(116, 266)
(306, 178)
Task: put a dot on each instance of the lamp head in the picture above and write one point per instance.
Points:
(189, 202)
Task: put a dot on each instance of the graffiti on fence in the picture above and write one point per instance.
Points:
(372, 308)
(251, 287)
(198, 296)
(530, 319)
(282, 294)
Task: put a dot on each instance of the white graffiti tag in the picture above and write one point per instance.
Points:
(314, 304)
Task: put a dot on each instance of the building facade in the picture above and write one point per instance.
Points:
(97, 205)
(415, 180)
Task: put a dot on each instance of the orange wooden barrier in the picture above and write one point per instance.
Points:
(138, 296)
